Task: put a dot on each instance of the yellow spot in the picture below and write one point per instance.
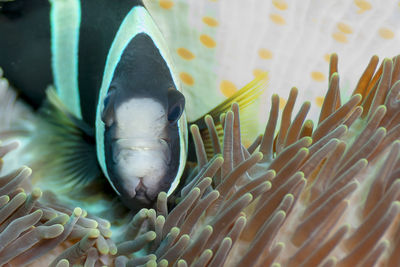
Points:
(278, 19)
(282, 103)
(207, 41)
(386, 33)
(166, 4)
(186, 78)
(344, 28)
(185, 54)
(363, 5)
(327, 57)
(210, 21)
(247, 143)
(280, 4)
(319, 100)
(258, 72)
(340, 37)
(227, 88)
(317, 76)
(265, 53)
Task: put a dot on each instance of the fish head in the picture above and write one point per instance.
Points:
(141, 129)
(142, 143)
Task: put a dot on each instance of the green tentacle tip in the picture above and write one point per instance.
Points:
(93, 233)
(248, 197)
(163, 263)
(107, 233)
(27, 171)
(107, 224)
(4, 199)
(281, 244)
(38, 211)
(151, 263)
(162, 195)
(194, 127)
(308, 140)
(219, 158)
(113, 251)
(196, 191)
(175, 230)
(306, 150)
(143, 213)
(52, 231)
(84, 213)
(152, 257)
(359, 96)
(182, 262)
(22, 195)
(151, 235)
(36, 193)
(63, 218)
(63, 263)
(259, 155)
(77, 212)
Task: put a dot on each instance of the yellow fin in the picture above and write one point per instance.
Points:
(246, 98)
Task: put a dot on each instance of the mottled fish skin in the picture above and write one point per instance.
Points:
(141, 110)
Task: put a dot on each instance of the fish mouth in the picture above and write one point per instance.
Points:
(140, 167)
(137, 197)
(136, 188)
(140, 192)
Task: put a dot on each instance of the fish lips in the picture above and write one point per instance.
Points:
(140, 165)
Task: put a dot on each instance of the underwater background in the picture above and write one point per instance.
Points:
(306, 178)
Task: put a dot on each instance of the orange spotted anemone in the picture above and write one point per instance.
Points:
(300, 195)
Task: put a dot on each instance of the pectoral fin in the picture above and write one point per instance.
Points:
(65, 150)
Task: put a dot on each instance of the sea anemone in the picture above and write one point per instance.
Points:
(298, 196)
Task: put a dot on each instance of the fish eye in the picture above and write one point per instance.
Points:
(176, 104)
(175, 113)
(107, 115)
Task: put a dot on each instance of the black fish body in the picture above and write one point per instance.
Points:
(118, 97)
(25, 47)
(150, 152)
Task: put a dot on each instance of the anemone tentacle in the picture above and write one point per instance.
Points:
(297, 197)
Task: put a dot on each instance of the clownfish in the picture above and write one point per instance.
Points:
(141, 133)
(117, 109)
